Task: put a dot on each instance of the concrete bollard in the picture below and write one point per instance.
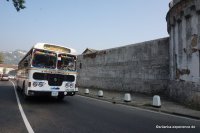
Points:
(76, 89)
(127, 97)
(156, 101)
(87, 91)
(100, 93)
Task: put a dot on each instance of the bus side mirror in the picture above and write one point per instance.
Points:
(25, 63)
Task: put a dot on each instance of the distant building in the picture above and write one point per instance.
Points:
(6, 68)
(89, 50)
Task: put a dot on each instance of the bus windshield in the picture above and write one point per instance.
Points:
(66, 62)
(44, 59)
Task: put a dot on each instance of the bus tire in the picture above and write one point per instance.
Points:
(24, 94)
(18, 88)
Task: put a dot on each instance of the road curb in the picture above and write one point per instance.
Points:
(147, 107)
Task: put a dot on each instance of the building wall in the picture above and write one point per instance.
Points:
(187, 93)
(183, 22)
(184, 29)
(142, 67)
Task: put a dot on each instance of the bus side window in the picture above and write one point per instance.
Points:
(26, 63)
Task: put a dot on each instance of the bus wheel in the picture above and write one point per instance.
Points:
(24, 94)
(18, 89)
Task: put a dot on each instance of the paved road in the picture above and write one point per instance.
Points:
(82, 115)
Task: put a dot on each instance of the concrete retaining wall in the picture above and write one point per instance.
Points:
(142, 67)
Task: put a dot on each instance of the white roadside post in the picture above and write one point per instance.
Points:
(156, 101)
(76, 89)
(127, 97)
(87, 91)
(100, 93)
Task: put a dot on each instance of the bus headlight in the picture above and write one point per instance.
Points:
(69, 85)
(35, 84)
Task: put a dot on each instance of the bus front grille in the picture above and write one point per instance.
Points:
(53, 79)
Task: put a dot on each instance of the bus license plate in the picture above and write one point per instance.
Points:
(54, 93)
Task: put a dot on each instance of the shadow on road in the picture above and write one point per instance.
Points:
(42, 100)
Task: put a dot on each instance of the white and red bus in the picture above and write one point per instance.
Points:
(48, 70)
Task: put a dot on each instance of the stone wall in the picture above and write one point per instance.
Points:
(142, 67)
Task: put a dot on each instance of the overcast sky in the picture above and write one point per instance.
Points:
(81, 24)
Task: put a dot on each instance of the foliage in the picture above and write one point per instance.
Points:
(1, 58)
(4, 70)
(18, 4)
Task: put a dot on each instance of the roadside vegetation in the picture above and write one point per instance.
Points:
(18, 4)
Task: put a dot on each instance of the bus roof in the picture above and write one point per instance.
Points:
(54, 47)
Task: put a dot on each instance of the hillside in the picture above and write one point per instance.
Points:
(13, 57)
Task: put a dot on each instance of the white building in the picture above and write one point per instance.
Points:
(6, 68)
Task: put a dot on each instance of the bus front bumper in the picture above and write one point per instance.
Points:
(50, 93)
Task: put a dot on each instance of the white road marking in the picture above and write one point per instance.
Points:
(26, 122)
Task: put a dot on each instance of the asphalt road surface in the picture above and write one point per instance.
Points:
(79, 114)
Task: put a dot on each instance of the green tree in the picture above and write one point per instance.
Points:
(18, 4)
(1, 58)
(4, 70)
